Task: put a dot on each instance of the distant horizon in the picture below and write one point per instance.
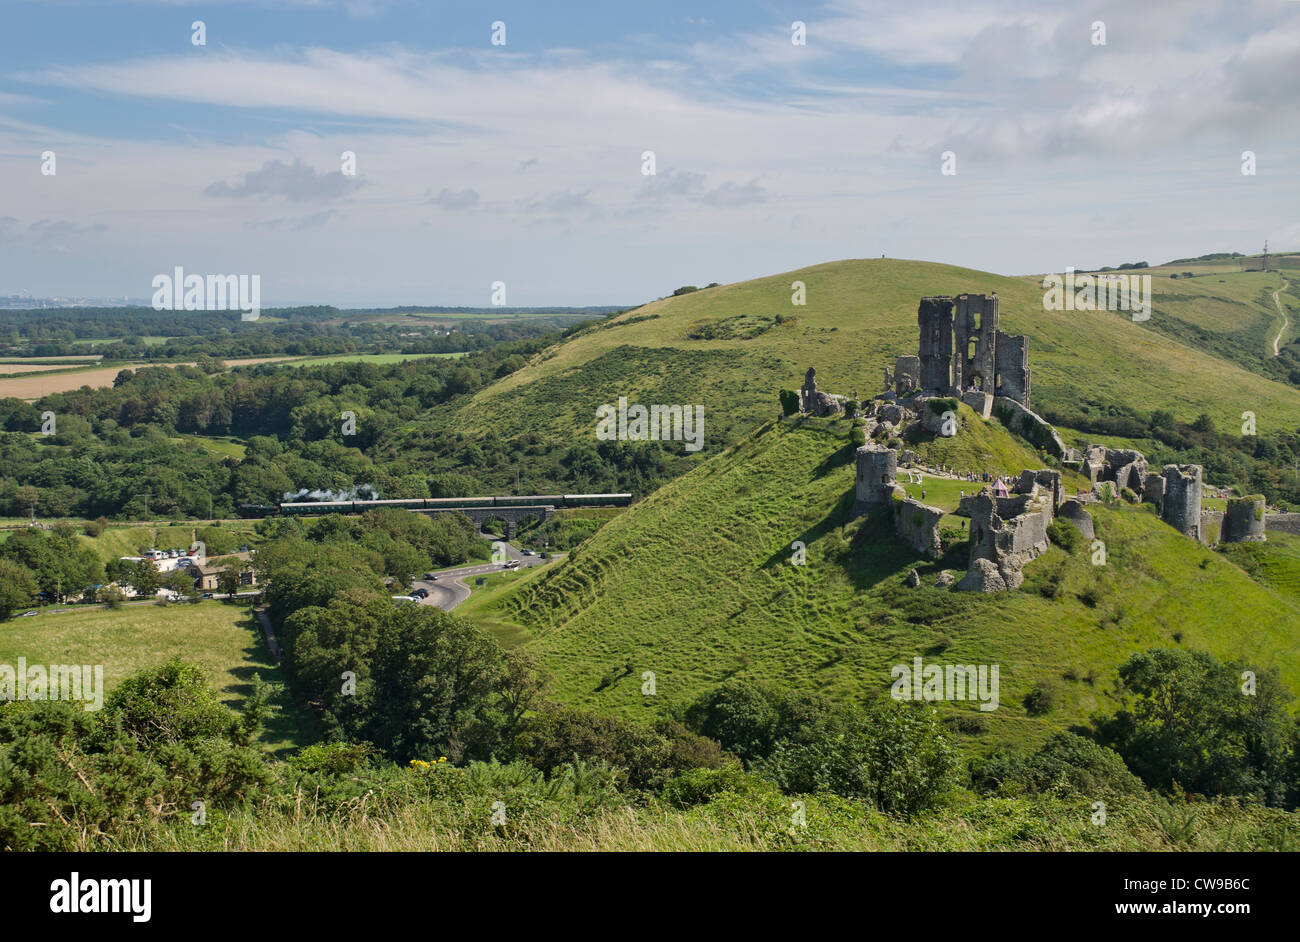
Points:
(108, 301)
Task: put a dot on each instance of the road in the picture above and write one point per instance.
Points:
(1277, 341)
(449, 589)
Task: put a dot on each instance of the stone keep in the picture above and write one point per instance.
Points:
(1181, 507)
(1244, 520)
(997, 363)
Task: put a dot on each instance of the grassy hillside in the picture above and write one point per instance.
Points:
(695, 584)
(220, 638)
(723, 348)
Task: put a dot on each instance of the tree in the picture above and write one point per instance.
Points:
(26, 498)
(17, 587)
(228, 580)
(1187, 723)
(179, 581)
(145, 578)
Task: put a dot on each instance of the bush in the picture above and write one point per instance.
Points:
(893, 754)
(1129, 495)
(789, 401)
(1066, 763)
(1041, 699)
(700, 786)
(857, 437)
(96, 527)
(1065, 535)
(555, 736)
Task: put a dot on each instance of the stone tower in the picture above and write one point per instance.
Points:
(877, 476)
(1181, 507)
(1244, 520)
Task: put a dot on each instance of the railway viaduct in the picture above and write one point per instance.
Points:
(481, 515)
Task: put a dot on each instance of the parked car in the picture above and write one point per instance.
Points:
(529, 552)
(25, 614)
(421, 593)
(431, 575)
(207, 595)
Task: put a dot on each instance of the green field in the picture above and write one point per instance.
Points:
(219, 637)
(694, 583)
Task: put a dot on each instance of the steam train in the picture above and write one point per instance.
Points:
(313, 507)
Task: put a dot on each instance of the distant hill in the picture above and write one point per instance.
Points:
(731, 347)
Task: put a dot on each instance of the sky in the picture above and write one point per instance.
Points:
(524, 162)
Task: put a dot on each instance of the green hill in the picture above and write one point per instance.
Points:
(694, 584)
(731, 347)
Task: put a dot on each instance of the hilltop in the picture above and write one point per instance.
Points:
(728, 347)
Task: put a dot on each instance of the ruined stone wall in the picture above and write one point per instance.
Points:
(1283, 523)
(975, 330)
(1244, 520)
(981, 402)
(1028, 425)
(1073, 511)
(1153, 490)
(917, 525)
(934, 317)
(1181, 508)
(1011, 367)
(1045, 478)
(907, 375)
(1000, 546)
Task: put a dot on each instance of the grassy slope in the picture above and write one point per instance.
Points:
(860, 315)
(694, 584)
(218, 637)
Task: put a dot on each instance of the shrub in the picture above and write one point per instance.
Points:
(1065, 535)
(1129, 495)
(1041, 699)
(895, 755)
(789, 401)
(700, 786)
(857, 437)
(1066, 763)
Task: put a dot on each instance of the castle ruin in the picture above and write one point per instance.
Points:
(963, 350)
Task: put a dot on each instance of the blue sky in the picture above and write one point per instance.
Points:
(522, 163)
